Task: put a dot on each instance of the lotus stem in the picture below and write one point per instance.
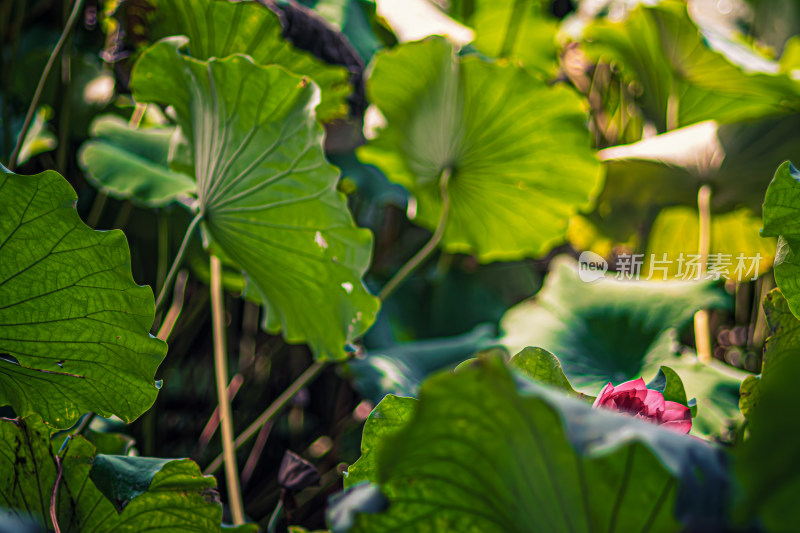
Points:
(73, 17)
(178, 258)
(702, 332)
(226, 415)
(274, 408)
(429, 247)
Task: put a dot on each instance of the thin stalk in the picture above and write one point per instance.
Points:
(272, 526)
(672, 110)
(512, 28)
(274, 408)
(175, 309)
(65, 114)
(97, 209)
(54, 496)
(123, 215)
(221, 371)
(178, 258)
(73, 17)
(702, 333)
(429, 247)
(213, 422)
(255, 453)
(163, 249)
(760, 329)
(137, 115)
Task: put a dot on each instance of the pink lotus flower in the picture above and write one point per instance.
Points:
(634, 398)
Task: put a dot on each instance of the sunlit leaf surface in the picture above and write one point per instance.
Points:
(515, 148)
(266, 193)
(74, 327)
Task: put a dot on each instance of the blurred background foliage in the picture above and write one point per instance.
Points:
(675, 99)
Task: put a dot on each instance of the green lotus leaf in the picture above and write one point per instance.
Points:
(682, 79)
(670, 385)
(74, 327)
(402, 368)
(523, 31)
(617, 330)
(542, 366)
(781, 345)
(514, 150)
(390, 415)
(767, 462)
(481, 452)
(132, 164)
(782, 219)
(167, 494)
(265, 192)
(219, 28)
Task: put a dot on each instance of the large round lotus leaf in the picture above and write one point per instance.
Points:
(265, 192)
(516, 150)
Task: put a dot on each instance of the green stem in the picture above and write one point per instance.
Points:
(512, 29)
(429, 247)
(123, 215)
(274, 408)
(73, 17)
(225, 412)
(178, 258)
(97, 209)
(272, 527)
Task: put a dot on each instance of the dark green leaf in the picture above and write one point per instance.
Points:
(344, 507)
(266, 193)
(171, 495)
(767, 463)
(133, 164)
(617, 331)
(121, 478)
(400, 369)
(74, 325)
(515, 148)
(782, 344)
(479, 454)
